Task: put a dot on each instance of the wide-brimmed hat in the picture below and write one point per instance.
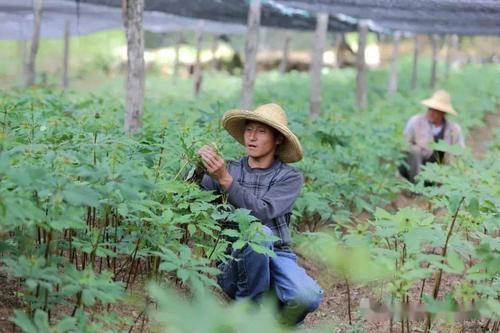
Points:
(440, 101)
(273, 115)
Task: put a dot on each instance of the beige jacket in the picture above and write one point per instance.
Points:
(418, 132)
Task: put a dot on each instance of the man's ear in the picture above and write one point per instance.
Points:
(279, 139)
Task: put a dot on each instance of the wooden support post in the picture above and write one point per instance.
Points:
(35, 40)
(21, 52)
(393, 76)
(178, 42)
(215, 47)
(134, 10)
(65, 75)
(435, 49)
(197, 71)
(414, 71)
(335, 47)
(339, 53)
(317, 63)
(284, 56)
(361, 89)
(251, 46)
(451, 50)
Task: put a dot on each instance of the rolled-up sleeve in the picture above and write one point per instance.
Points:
(277, 201)
(409, 131)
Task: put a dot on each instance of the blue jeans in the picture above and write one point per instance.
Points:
(252, 274)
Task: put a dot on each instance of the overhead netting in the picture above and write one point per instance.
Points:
(273, 13)
(463, 17)
(16, 20)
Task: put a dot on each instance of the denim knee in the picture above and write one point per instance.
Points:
(313, 301)
(309, 300)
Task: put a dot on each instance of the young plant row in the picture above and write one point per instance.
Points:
(87, 212)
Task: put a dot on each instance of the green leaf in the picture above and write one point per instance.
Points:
(455, 262)
(262, 249)
(442, 145)
(453, 202)
(88, 298)
(191, 229)
(230, 233)
(474, 207)
(183, 274)
(24, 322)
(79, 195)
(168, 266)
(239, 244)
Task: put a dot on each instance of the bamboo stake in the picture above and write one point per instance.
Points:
(135, 64)
(414, 72)
(35, 40)
(65, 76)
(361, 91)
(393, 77)
(284, 57)
(435, 47)
(251, 45)
(317, 64)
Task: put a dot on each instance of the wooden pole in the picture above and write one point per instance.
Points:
(65, 76)
(317, 63)
(134, 10)
(35, 40)
(284, 57)
(393, 76)
(414, 71)
(178, 42)
(335, 44)
(197, 73)
(215, 46)
(21, 52)
(361, 91)
(339, 44)
(22, 48)
(435, 47)
(451, 49)
(251, 45)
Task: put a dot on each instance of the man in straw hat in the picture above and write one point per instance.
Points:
(432, 126)
(265, 184)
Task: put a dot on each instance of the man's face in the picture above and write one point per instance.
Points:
(435, 116)
(260, 139)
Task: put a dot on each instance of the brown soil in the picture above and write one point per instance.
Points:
(8, 302)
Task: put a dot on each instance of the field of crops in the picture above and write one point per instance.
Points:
(100, 232)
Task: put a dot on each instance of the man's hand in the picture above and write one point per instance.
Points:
(216, 166)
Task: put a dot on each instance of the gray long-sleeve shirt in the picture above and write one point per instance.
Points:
(268, 193)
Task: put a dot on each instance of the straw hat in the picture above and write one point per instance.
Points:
(440, 101)
(272, 115)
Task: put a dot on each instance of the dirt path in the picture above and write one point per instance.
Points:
(334, 307)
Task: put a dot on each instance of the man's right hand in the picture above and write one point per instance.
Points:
(216, 166)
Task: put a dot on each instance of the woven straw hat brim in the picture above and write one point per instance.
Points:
(432, 103)
(289, 151)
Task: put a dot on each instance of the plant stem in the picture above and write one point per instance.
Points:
(215, 246)
(181, 169)
(437, 284)
(348, 299)
(132, 262)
